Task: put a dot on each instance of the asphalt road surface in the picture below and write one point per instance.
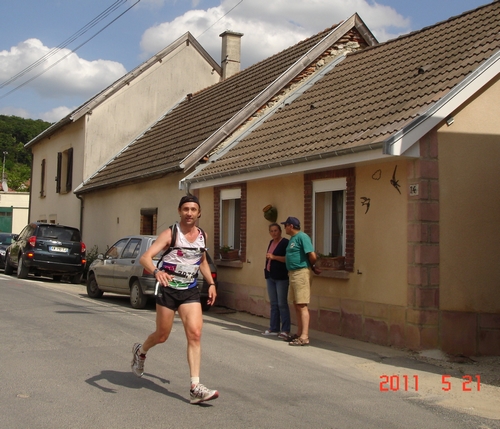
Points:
(66, 364)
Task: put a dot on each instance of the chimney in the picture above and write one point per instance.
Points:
(231, 53)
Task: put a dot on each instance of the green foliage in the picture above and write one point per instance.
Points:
(15, 132)
(91, 257)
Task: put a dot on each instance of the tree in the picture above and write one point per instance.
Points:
(15, 132)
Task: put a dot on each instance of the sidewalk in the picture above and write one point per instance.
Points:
(467, 384)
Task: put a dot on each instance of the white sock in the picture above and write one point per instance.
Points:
(195, 381)
(141, 351)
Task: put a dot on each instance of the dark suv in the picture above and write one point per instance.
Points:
(48, 249)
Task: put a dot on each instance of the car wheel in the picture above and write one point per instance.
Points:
(22, 270)
(57, 278)
(93, 290)
(76, 279)
(137, 298)
(9, 269)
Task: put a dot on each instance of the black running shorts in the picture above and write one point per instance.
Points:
(173, 298)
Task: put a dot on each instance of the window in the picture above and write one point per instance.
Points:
(132, 249)
(329, 216)
(64, 178)
(42, 179)
(116, 250)
(148, 221)
(230, 215)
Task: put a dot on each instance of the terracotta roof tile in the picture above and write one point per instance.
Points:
(370, 95)
(177, 134)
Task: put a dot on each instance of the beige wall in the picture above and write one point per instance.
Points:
(63, 208)
(99, 136)
(380, 241)
(112, 214)
(469, 154)
(19, 201)
(129, 112)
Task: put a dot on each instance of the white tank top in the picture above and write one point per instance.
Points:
(183, 261)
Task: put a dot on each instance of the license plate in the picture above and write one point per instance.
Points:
(58, 249)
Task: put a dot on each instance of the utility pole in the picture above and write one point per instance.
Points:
(4, 183)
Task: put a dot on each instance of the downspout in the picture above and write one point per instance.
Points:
(81, 213)
(31, 188)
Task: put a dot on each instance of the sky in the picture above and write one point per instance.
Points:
(57, 54)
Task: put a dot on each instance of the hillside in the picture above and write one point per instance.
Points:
(15, 132)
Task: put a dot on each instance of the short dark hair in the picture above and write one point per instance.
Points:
(189, 199)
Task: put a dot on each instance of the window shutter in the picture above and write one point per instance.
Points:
(58, 177)
(69, 171)
(42, 179)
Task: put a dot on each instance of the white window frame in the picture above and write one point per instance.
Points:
(329, 185)
(230, 195)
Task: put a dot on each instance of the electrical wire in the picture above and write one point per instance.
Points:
(54, 51)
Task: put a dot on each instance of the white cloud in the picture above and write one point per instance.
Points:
(15, 111)
(271, 26)
(72, 76)
(56, 114)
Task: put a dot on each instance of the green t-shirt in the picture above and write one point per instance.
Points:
(296, 252)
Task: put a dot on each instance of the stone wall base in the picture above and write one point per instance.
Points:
(456, 333)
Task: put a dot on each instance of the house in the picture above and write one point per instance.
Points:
(74, 148)
(138, 190)
(387, 154)
(390, 161)
(13, 211)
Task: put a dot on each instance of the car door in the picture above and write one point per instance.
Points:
(125, 265)
(105, 272)
(17, 247)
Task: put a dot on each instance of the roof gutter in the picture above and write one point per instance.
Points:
(345, 157)
(295, 69)
(401, 141)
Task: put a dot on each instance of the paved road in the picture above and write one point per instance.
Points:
(66, 364)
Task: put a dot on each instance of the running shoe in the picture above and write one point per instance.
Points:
(269, 332)
(137, 364)
(201, 394)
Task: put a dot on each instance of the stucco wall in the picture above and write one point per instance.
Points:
(380, 239)
(63, 208)
(19, 201)
(129, 112)
(112, 214)
(469, 153)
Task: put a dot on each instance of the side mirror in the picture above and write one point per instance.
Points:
(100, 256)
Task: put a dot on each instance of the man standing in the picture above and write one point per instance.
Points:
(300, 257)
(177, 290)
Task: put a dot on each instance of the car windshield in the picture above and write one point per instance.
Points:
(5, 239)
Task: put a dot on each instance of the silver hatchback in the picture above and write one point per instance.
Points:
(119, 271)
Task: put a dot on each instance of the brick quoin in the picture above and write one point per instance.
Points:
(423, 247)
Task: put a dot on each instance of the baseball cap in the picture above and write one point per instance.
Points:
(292, 221)
(189, 199)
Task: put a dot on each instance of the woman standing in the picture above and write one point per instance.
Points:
(276, 276)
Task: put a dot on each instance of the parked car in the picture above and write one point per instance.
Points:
(5, 241)
(119, 271)
(47, 249)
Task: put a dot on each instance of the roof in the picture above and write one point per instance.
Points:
(204, 119)
(372, 99)
(124, 81)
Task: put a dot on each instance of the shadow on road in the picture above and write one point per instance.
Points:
(130, 381)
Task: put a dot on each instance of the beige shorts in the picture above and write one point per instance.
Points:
(300, 286)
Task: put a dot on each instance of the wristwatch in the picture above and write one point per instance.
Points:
(156, 271)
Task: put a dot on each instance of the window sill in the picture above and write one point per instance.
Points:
(228, 263)
(334, 274)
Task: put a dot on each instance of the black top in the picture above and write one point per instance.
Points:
(278, 269)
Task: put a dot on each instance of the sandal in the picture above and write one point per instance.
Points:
(291, 338)
(299, 342)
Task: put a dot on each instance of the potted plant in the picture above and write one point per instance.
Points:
(330, 262)
(228, 253)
